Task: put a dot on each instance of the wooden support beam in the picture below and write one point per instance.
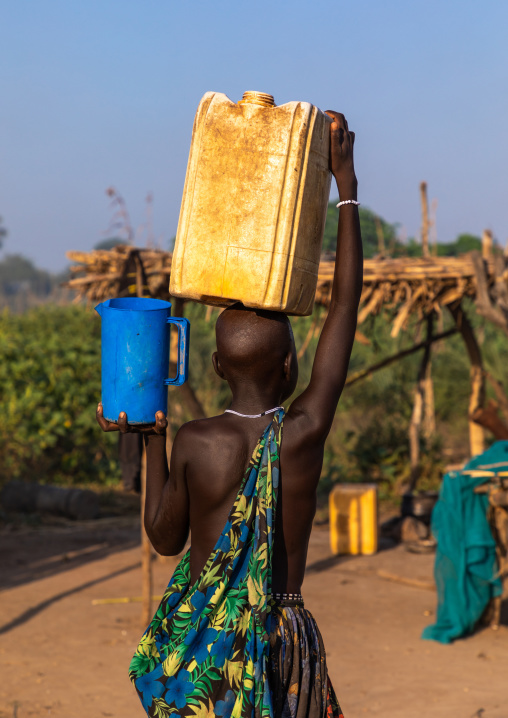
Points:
(477, 397)
(419, 407)
(429, 414)
(146, 557)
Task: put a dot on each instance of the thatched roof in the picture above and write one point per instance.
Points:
(407, 285)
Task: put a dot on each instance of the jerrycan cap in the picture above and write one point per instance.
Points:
(257, 98)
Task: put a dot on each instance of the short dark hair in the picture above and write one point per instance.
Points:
(251, 341)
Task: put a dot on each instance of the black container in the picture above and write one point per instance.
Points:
(419, 505)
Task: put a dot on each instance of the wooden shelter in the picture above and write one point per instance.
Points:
(403, 288)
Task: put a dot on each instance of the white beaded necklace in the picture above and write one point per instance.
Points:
(252, 416)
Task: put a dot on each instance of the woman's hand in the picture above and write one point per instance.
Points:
(341, 156)
(122, 424)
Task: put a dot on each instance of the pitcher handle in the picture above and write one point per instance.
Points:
(182, 371)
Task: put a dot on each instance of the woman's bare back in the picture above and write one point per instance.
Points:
(217, 452)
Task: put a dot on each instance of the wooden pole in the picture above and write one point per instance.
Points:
(146, 546)
(419, 407)
(433, 226)
(425, 219)
(146, 556)
(429, 414)
(487, 243)
(414, 436)
(476, 433)
(380, 238)
(477, 397)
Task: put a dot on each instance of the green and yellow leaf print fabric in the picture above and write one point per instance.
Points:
(205, 652)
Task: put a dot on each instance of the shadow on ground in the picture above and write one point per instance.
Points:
(385, 544)
(33, 611)
(35, 547)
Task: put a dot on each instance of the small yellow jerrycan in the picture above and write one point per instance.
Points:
(254, 204)
(353, 519)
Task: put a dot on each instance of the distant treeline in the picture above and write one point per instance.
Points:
(374, 227)
(23, 285)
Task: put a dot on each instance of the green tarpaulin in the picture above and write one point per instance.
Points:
(465, 567)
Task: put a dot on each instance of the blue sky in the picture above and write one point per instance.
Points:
(94, 94)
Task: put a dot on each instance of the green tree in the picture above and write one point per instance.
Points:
(17, 273)
(369, 223)
(3, 233)
(463, 243)
(109, 243)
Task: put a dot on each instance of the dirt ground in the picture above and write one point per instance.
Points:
(63, 657)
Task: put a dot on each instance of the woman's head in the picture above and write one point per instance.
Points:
(257, 346)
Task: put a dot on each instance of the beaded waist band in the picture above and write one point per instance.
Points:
(288, 599)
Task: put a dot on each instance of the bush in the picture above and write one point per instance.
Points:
(50, 378)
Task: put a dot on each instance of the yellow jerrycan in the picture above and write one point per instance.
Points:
(254, 204)
(353, 519)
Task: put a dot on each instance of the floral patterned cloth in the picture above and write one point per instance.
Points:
(205, 653)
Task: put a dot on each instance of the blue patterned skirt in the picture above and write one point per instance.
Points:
(297, 672)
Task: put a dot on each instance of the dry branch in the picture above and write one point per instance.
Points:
(353, 378)
(492, 296)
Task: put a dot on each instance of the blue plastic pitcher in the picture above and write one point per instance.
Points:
(135, 357)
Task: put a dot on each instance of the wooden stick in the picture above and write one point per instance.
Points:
(380, 237)
(413, 582)
(425, 219)
(91, 278)
(487, 245)
(371, 305)
(308, 338)
(353, 378)
(429, 414)
(433, 227)
(124, 599)
(146, 556)
(405, 311)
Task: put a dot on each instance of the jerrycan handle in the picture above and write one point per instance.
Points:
(182, 372)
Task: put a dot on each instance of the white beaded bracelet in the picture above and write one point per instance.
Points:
(348, 201)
